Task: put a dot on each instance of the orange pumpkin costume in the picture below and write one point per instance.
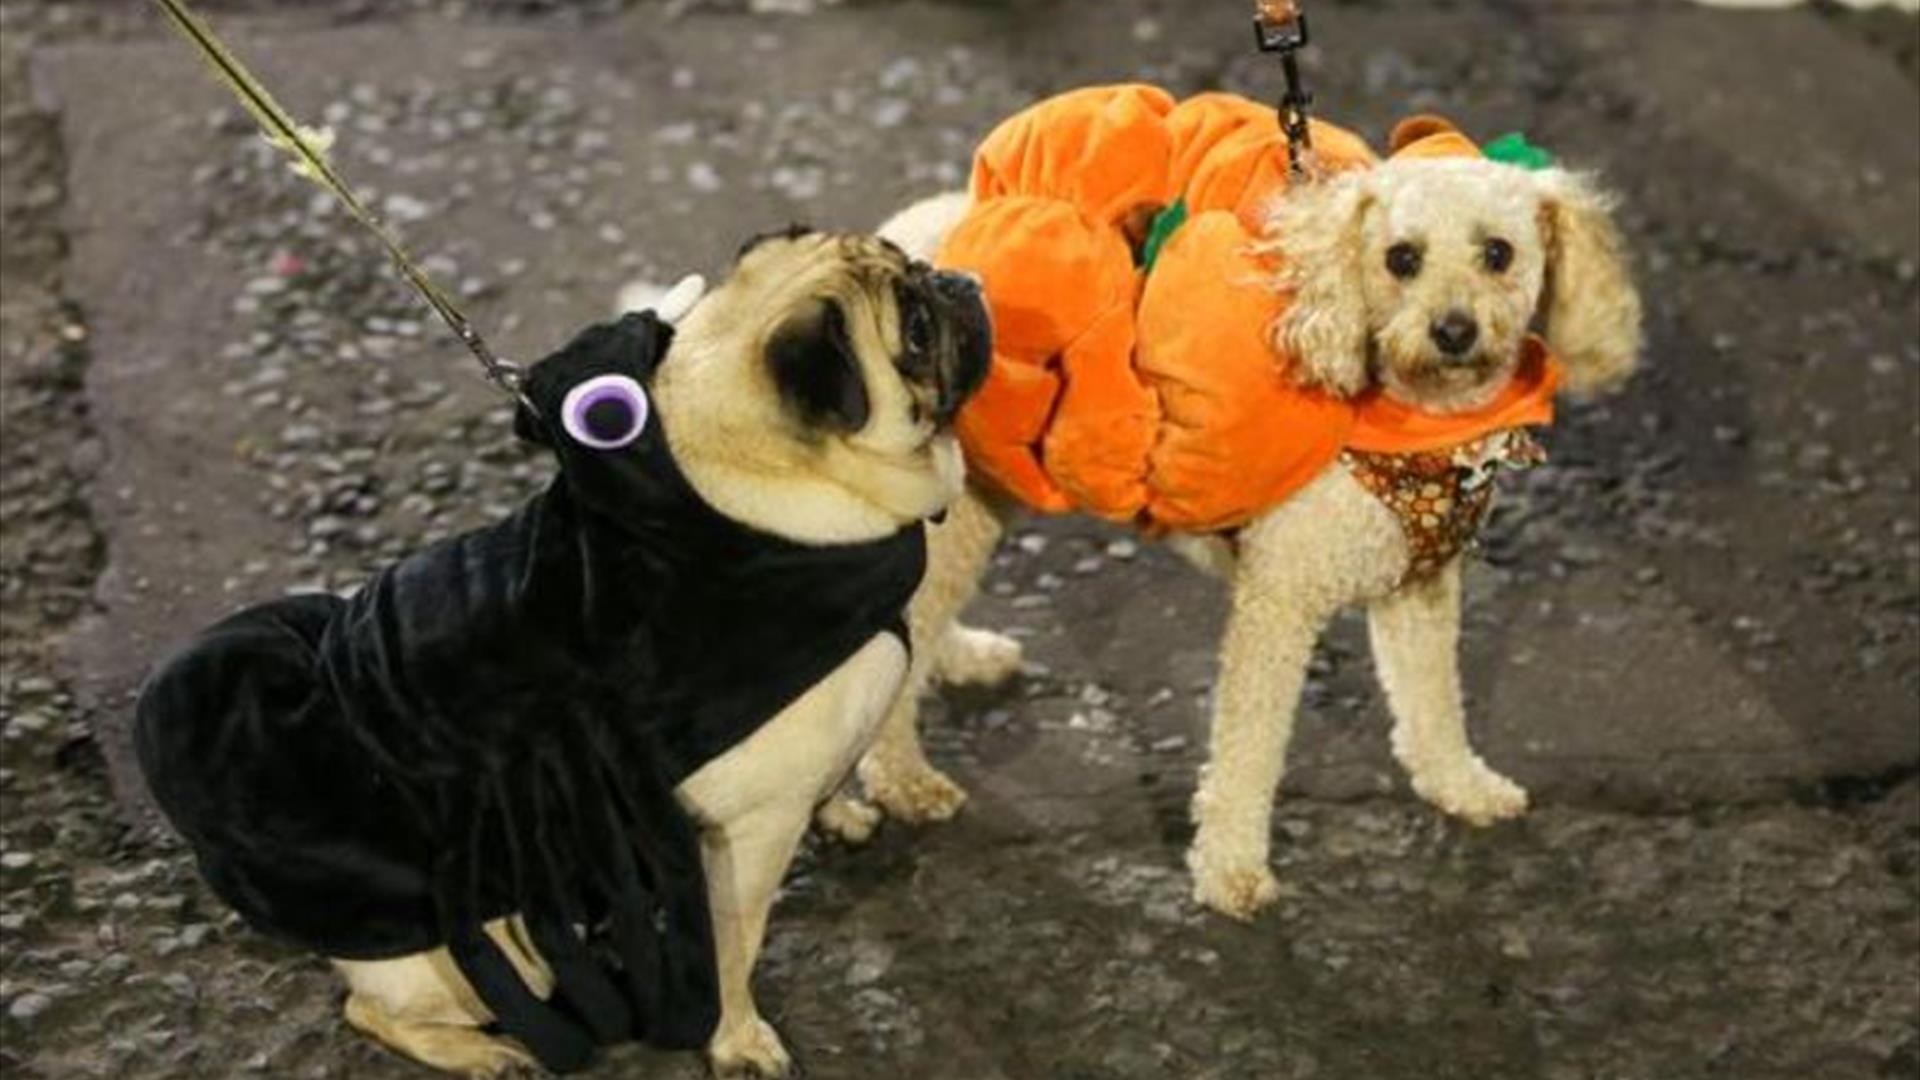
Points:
(1154, 395)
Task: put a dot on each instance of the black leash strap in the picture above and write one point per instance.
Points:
(1279, 26)
(559, 1041)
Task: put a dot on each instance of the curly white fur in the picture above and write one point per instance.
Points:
(1353, 320)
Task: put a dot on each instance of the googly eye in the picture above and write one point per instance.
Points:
(606, 412)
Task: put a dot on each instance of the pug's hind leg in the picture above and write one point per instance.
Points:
(422, 1007)
(895, 772)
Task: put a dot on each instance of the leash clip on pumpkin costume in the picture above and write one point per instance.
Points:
(1279, 26)
(308, 147)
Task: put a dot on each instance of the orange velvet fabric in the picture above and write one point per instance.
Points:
(1156, 397)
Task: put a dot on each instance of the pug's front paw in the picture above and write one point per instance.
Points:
(749, 1051)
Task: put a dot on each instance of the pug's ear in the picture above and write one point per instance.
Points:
(812, 360)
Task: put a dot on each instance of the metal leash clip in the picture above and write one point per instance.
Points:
(1279, 26)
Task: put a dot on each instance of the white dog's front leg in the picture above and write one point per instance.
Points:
(745, 860)
(1262, 664)
(1416, 636)
(1295, 567)
(895, 772)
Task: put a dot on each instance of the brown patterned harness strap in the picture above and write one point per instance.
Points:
(1441, 497)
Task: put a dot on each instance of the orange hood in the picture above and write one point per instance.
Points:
(1157, 397)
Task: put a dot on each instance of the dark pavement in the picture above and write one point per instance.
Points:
(1695, 635)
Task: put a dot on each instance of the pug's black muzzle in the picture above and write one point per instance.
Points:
(963, 365)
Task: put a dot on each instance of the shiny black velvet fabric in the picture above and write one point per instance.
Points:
(496, 724)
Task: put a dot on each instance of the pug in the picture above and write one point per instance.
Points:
(533, 788)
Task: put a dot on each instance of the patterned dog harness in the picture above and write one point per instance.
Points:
(1441, 498)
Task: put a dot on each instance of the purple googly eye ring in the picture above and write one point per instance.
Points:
(606, 412)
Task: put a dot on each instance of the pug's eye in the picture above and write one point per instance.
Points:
(606, 412)
(1403, 260)
(1497, 254)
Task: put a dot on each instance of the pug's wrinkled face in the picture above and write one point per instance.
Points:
(821, 379)
(863, 323)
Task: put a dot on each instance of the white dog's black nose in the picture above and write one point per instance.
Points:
(1455, 332)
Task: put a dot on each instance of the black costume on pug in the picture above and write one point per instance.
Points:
(497, 724)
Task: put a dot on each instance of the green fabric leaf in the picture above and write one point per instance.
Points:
(1165, 224)
(1514, 149)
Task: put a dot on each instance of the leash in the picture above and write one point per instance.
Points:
(1279, 26)
(308, 147)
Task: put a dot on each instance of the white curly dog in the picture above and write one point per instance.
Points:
(1384, 265)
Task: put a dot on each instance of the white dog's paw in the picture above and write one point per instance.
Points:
(1238, 890)
(848, 819)
(916, 795)
(1474, 793)
(971, 657)
(749, 1051)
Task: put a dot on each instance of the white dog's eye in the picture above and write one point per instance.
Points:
(1497, 254)
(606, 412)
(1403, 260)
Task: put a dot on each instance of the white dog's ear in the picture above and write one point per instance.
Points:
(1592, 309)
(1315, 229)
